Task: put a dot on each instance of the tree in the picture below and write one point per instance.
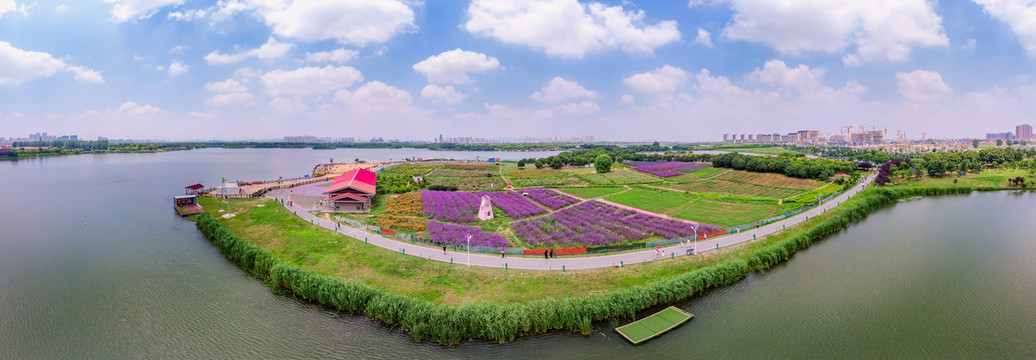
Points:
(557, 162)
(603, 163)
(539, 163)
(974, 143)
(999, 142)
(521, 164)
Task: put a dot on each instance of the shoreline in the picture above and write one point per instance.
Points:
(452, 324)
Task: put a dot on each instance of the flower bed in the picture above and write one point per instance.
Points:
(513, 204)
(454, 206)
(550, 198)
(668, 168)
(593, 223)
(450, 234)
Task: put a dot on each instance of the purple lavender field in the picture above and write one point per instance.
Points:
(513, 204)
(593, 223)
(451, 234)
(454, 206)
(668, 168)
(550, 198)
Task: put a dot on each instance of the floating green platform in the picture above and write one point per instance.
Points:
(652, 326)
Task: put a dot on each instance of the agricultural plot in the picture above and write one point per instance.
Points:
(590, 193)
(770, 179)
(515, 205)
(454, 206)
(668, 168)
(618, 176)
(482, 179)
(411, 169)
(406, 204)
(452, 234)
(594, 223)
(710, 211)
(541, 178)
(404, 223)
(724, 187)
(550, 198)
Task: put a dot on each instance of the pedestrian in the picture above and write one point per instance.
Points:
(444, 249)
(553, 253)
(545, 254)
(501, 253)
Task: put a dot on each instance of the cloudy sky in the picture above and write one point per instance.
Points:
(618, 70)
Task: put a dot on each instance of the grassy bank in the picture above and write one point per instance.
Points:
(448, 303)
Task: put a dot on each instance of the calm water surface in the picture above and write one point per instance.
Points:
(95, 264)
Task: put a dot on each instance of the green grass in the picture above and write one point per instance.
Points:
(590, 193)
(993, 177)
(695, 208)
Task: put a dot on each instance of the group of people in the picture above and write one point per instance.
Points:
(547, 254)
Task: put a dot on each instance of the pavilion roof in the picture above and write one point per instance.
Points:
(362, 180)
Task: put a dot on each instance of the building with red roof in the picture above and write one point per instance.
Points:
(353, 190)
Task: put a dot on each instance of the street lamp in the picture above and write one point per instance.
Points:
(469, 250)
(695, 227)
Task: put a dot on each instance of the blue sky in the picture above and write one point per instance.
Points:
(618, 70)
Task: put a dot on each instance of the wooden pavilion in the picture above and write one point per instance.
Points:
(352, 191)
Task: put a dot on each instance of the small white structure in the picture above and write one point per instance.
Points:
(485, 210)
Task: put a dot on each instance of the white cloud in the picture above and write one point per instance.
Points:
(559, 89)
(228, 85)
(568, 28)
(374, 95)
(340, 56)
(310, 80)
(1019, 15)
(207, 115)
(581, 108)
(922, 85)
(704, 38)
(187, 15)
(881, 30)
(61, 8)
(453, 66)
(7, 6)
(443, 94)
(356, 22)
(662, 81)
(230, 99)
(137, 9)
(86, 75)
(288, 106)
(133, 108)
(969, 44)
(627, 99)
(272, 49)
(18, 66)
(176, 68)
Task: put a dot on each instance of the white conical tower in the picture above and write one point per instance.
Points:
(485, 211)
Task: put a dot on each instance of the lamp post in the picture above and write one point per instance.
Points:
(695, 227)
(469, 250)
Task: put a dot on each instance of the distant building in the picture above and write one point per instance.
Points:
(726, 137)
(300, 139)
(1023, 132)
(999, 136)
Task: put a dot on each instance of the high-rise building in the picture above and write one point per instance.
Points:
(1023, 132)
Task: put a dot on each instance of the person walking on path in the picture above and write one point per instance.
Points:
(545, 254)
(444, 249)
(501, 253)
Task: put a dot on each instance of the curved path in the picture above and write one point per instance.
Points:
(568, 262)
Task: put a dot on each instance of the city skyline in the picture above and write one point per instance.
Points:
(678, 71)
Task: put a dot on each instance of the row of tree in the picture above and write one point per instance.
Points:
(794, 166)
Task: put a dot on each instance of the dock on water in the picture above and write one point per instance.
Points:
(653, 326)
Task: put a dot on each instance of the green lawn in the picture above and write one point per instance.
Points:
(590, 193)
(684, 206)
(995, 177)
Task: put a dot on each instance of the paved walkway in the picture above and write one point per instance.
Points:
(569, 262)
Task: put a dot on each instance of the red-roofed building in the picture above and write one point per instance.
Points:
(353, 190)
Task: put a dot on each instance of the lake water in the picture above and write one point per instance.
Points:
(95, 264)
